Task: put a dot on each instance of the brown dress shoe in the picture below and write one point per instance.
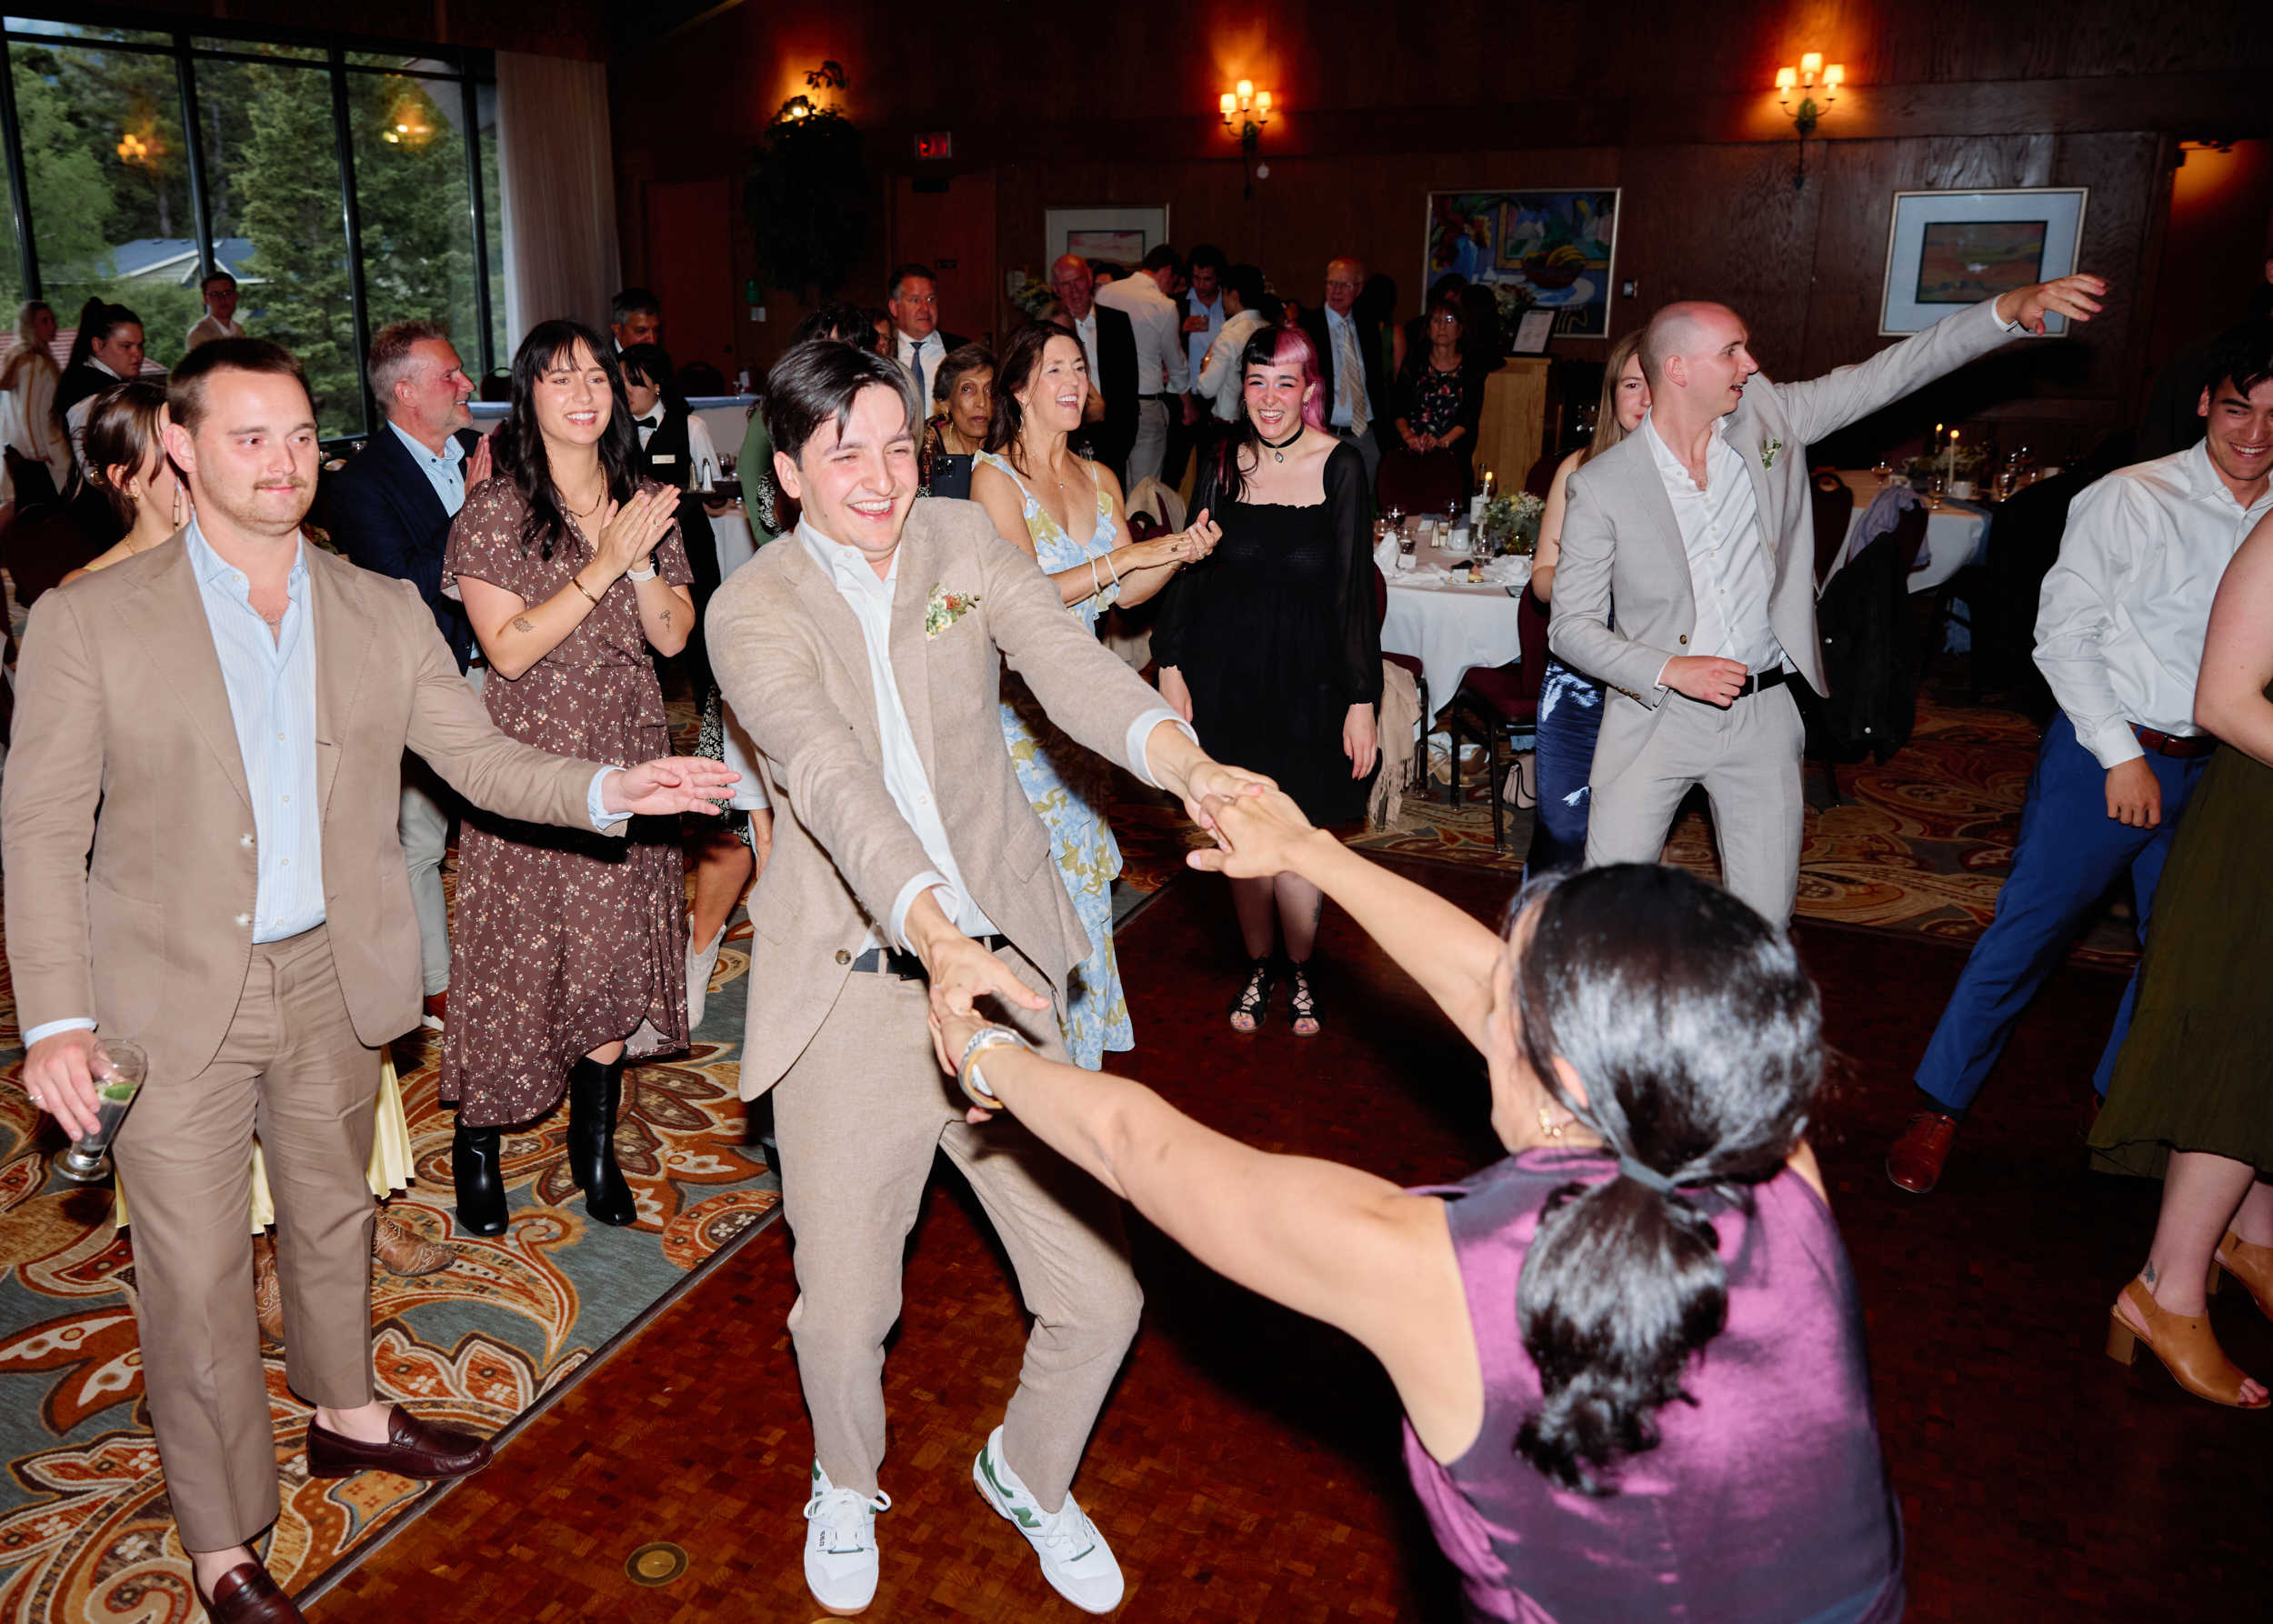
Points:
(414, 1448)
(402, 1250)
(1915, 1162)
(268, 1293)
(246, 1595)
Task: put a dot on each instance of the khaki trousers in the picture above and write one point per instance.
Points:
(292, 1069)
(859, 1118)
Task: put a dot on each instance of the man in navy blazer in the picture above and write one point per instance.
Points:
(392, 507)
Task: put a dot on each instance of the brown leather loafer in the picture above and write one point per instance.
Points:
(1915, 1162)
(246, 1595)
(414, 1448)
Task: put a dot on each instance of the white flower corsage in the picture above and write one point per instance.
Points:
(1768, 448)
(946, 608)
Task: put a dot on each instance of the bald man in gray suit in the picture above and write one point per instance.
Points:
(1698, 525)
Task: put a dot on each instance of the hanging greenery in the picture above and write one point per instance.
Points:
(807, 198)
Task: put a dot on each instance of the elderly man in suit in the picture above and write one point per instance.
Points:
(909, 873)
(223, 720)
(1108, 338)
(1698, 526)
(1350, 365)
(392, 507)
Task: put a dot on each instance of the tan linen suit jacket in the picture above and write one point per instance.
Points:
(791, 661)
(121, 705)
(1621, 541)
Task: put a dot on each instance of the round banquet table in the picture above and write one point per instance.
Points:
(1954, 534)
(731, 530)
(1450, 629)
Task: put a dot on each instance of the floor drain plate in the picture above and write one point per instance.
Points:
(656, 1564)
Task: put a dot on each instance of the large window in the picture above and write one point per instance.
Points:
(345, 188)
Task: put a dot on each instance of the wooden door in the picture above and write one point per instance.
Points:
(952, 231)
(690, 267)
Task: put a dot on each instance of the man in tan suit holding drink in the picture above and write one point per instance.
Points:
(236, 703)
(864, 655)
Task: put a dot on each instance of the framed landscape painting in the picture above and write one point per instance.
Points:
(1123, 236)
(1947, 249)
(1540, 250)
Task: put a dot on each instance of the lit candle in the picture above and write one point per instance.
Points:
(1950, 463)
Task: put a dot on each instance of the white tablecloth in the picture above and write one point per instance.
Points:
(731, 530)
(1450, 629)
(1953, 535)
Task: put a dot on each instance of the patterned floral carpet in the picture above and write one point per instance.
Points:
(86, 1535)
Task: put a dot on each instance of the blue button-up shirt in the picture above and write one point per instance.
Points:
(445, 473)
(271, 681)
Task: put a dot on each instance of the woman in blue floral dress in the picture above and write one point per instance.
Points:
(1066, 511)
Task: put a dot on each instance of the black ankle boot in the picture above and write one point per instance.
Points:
(594, 1092)
(476, 1168)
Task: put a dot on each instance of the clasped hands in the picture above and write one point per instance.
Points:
(629, 531)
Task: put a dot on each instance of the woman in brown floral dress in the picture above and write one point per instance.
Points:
(570, 947)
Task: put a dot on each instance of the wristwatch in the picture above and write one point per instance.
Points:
(968, 1073)
(638, 576)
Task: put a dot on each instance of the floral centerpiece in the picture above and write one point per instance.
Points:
(1032, 296)
(1965, 462)
(1511, 523)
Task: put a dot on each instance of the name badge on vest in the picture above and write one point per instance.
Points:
(666, 456)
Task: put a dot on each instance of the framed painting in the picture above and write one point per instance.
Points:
(1948, 249)
(1122, 235)
(1537, 250)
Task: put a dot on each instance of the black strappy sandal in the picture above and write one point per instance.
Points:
(1301, 1003)
(1255, 998)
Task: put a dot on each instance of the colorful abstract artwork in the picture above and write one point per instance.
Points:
(1552, 250)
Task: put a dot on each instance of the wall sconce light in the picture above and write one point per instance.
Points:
(1247, 110)
(1808, 81)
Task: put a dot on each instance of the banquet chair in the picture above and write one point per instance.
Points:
(1409, 662)
(1499, 706)
(1834, 516)
(1427, 484)
(700, 379)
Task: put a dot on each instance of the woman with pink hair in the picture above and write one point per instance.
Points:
(1272, 647)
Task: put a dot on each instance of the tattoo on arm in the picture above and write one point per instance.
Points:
(667, 617)
(522, 623)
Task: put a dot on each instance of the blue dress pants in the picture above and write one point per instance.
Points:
(2070, 852)
(1570, 718)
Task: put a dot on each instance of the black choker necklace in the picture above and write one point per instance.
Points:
(1278, 447)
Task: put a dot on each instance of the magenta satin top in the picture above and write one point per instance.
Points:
(1766, 1502)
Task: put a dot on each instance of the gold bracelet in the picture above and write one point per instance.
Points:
(577, 582)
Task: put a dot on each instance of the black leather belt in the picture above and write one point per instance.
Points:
(1155, 397)
(891, 961)
(1759, 682)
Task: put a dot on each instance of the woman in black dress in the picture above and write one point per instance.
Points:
(1272, 649)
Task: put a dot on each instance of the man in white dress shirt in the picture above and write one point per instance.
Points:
(1108, 340)
(911, 873)
(1163, 372)
(1202, 307)
(912, 300)
(219, 320)
(2119, 631)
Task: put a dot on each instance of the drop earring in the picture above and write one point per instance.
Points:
(1550, 1128)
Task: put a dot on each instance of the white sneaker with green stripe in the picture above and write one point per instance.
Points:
(841, 1562)
(1076, 1559)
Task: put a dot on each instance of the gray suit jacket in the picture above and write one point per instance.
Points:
(121, 706)
(791, 661)
(1621, 542)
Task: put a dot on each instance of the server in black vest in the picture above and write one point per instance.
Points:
(107, 349)
(675, 446)
(1108, 340)
(392, 507)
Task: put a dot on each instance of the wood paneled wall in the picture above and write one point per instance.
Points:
(1381, 102)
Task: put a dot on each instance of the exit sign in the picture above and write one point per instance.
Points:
(936, 143)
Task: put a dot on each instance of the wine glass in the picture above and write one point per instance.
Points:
(119, 1069)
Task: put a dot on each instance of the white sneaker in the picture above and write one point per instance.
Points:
(840, 1545)
(700, 962)
(1076, 1559)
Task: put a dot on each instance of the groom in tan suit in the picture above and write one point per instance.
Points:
(864, 655)
(237, 704)
(1697, 525)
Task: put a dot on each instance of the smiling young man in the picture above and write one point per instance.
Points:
(2119, 631)
(222, 720)
(909, 872)
(1699, 524)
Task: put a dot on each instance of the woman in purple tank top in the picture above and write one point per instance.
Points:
(1631, 1354)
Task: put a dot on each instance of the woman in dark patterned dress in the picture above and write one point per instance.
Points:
(570, 948)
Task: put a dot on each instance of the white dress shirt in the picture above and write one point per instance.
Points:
(1161, 367)
(2122, 614)
(922, 360)
(1195, 345)
(74, 420)
(1221, 377)
(1352, 410)
(1729, 562)
(445, 470)
(903, 773)
(702, 451)
(1087, 329)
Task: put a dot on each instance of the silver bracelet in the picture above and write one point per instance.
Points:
(968, 1074)
(633, 575)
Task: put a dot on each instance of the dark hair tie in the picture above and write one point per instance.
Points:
(1630, 1168)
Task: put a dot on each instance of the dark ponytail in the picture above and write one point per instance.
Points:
(98, 319)
(1698, 1037)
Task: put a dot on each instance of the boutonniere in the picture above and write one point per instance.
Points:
(946, 608)
(1768, 448)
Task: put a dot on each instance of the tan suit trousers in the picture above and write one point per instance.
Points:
(291, 1069)
(859, 1118)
